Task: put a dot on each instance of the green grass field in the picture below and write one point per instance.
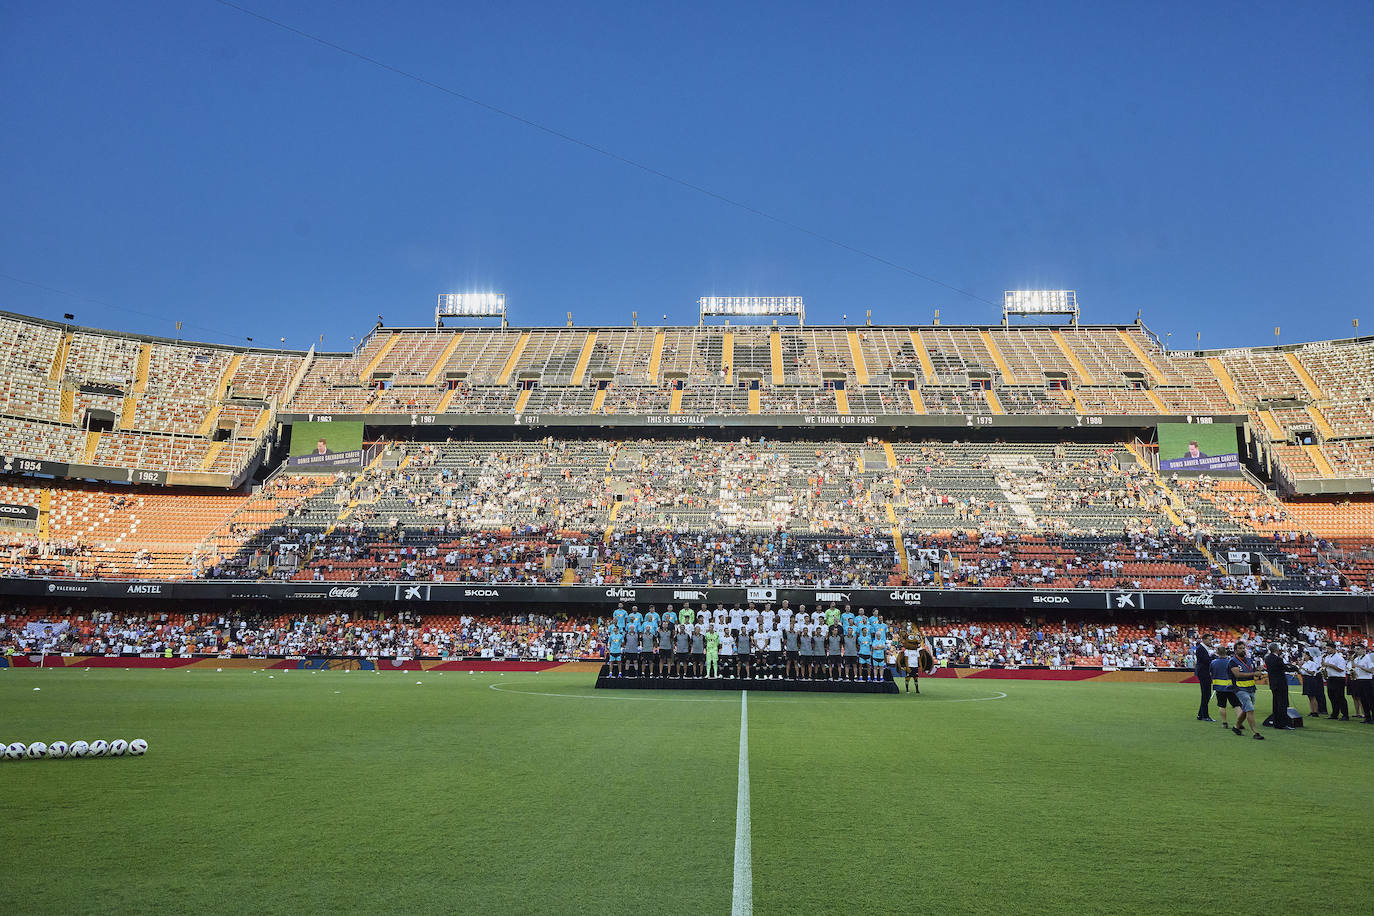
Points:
(353, 790)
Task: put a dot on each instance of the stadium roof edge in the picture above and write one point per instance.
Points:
(151, 338)
(240, 348)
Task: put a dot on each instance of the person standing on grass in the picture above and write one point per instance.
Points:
(804, 652)
(792, 646)
(682, 650)
(1245, 673)
(727, 654)
(1312, 682)
(1202, 667)
(712, 653)
(615, 641)
(1336, 668)
(698, 651)
(745, 663)
(1277, 671)
(834, 643)
(632, 649)
(864, 666)
(1223, 687)
(1364, 682)
(665, 648)
(760, 647)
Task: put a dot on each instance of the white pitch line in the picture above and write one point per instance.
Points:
(744, 868)
(1000, 696)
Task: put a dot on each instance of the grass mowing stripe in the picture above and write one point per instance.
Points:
(744, 870)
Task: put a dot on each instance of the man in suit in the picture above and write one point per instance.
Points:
(1202, 667)
(1277, 670)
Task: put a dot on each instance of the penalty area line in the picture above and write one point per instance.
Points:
(743, 903)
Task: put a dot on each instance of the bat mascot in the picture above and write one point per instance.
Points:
(915, 657)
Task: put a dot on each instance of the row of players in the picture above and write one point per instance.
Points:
(749, 618)
(856, 650)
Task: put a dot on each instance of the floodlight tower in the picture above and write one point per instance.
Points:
(470, 305)
(752, 307)
(1038, 302)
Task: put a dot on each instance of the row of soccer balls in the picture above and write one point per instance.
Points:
(58, 749)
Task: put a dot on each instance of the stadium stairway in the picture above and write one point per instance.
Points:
(918, 405)
(1223, 378)
(775, 357)
(727, 356)
(68, 406)
(522, 399)
(1139, 353)
(1315, 453)
(599, 400)
(145, 357)
(92, 442)
(514, 359)
(432, 376)
(856, 356)
(675, 401)
(656, 356)
(1271, 425)
(59, 359)
(994, 405)
(923, 356)
(1084, 378)
(583, 359)
(1319, 423)
(841, 400)
(365, 374)
(997, 360)
(1313, 389)
(891, 455)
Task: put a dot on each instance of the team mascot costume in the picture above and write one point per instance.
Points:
(915, 658)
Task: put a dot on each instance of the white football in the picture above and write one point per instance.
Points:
(37, 750)
(98, 749)
(79, 749)
(15, 751)
(57, 750)
(138, 747)
(118, 746)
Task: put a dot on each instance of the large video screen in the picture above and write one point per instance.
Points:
(326, 444)
(1198, 447)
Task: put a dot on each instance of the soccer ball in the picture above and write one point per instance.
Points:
(38, 750)
(57, 750)
(118, 746)
(80, 749)
(138, 747)
(15, 751)
(98, 749)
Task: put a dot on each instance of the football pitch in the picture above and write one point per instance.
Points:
(535, 793)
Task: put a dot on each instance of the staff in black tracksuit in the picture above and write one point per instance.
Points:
(1277, 670)
(1202, 667)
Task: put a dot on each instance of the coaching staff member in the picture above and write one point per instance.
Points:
(1202, 667)
(1277, 670)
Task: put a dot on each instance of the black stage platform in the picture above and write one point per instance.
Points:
(603, 680)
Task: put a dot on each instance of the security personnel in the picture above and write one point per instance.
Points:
(1221, 685)
(1244, 673)
(1202, 668)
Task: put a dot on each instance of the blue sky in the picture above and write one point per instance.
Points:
(1205, 163)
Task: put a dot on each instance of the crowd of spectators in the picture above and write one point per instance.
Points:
(1139, 643)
